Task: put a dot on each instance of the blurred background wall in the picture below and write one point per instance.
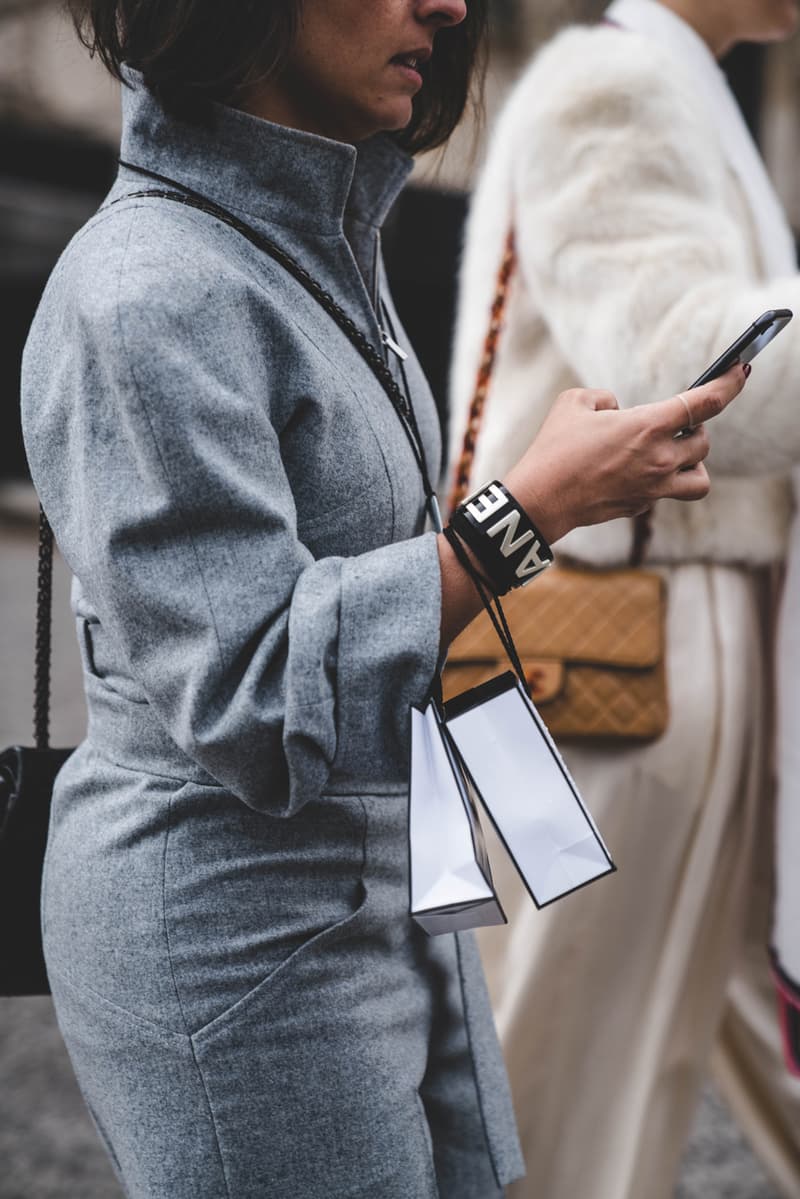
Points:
(58, 124)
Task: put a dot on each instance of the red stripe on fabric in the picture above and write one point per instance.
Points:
(788, 1006)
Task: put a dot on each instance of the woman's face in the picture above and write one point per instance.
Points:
(355, 66)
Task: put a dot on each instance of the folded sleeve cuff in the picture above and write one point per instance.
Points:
(389, 632)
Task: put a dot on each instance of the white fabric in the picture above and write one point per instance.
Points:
(638, 264)
(607, 1002)
(641, 256)
(778, 256)
(706, 204)
(709, 83)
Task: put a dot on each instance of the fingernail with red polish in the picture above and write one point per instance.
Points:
(747, 369)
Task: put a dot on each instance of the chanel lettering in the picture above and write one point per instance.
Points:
(487, 502)
(502, 536)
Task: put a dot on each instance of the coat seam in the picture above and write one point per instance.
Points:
(222, 1017)
(478, 1095)
(211, 1117)
(164, 917)
(147, 772)
(157, 448)
(81, 985)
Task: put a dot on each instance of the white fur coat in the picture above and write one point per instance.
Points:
(638, 265)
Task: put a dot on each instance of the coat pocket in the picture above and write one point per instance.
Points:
(245, 893)
(313, 968)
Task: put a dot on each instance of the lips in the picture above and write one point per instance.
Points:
(413, 60)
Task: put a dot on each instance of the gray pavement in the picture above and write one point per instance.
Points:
(48, 1148)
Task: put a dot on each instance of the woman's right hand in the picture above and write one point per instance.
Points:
(592, 461)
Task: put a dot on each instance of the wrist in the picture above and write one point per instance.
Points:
(540, 505)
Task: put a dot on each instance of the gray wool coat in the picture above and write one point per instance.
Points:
(248, 1007)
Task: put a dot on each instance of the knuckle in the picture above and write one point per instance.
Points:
(657, 419)
(701, 484)
(703, 443)
(663, 461)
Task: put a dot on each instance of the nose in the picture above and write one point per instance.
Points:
(442, 12)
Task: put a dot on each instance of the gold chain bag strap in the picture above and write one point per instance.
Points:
(591, 642)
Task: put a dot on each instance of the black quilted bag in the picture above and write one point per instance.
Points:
(26, 786)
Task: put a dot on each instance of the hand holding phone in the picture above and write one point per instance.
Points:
(744, 349)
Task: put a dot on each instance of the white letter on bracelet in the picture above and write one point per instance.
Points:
(510, 522)
(492, 499)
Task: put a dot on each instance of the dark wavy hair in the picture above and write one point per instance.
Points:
(191, 52)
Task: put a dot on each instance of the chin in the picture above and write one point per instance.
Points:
(775, 21)
(787, 19)
(394, 118)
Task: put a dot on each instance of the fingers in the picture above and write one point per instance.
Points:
(692, 408)
(691, 449)
(594, 399)
(691, 483)
(680, 474)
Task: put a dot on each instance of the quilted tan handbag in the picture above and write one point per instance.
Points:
(591, 642)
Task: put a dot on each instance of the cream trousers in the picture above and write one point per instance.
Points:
(610, 1003)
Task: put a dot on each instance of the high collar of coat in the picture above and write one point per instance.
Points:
(267, 171)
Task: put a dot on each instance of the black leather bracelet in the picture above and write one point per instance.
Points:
(502, 537)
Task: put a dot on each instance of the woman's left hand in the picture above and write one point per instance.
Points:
(592, 461)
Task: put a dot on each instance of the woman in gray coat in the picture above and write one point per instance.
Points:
(247, 1005)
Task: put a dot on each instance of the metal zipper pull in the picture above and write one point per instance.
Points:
(435, 513)
(392, 345)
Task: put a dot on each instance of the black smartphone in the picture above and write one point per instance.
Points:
(752, 342)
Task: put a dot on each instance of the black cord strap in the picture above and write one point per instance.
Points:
(372, 356)
(44, 604)
(491, 603)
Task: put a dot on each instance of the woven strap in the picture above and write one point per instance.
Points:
(642, 524)
(463, 470)
(44, 605)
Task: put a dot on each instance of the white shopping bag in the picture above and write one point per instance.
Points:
(526, 788)
(451, 880)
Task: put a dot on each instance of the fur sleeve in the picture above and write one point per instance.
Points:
(630, 243)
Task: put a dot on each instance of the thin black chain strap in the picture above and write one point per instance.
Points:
(372, 356)
(44, 605)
